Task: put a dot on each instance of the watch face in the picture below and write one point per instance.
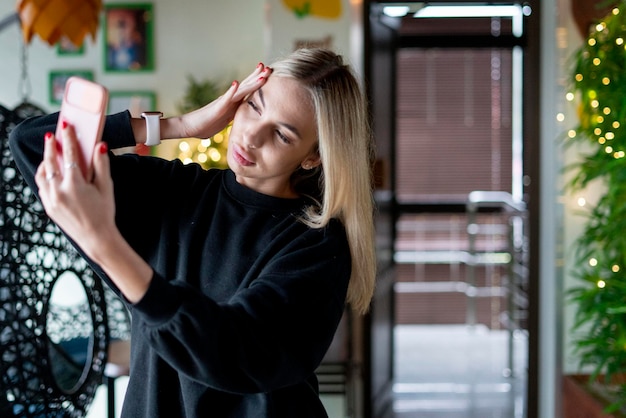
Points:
(159, 114)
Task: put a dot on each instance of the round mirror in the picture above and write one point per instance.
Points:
(70, 329)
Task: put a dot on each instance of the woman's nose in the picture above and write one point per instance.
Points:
(253, 137)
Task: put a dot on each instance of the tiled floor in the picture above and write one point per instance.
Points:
(457, 371)
(442, 371)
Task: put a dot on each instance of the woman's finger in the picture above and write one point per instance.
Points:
(73, 163)
(253, 82)
(50, 163)
(102, 169)
(254, 75)
(41, 177)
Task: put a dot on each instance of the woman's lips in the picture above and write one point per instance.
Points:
(241, 157)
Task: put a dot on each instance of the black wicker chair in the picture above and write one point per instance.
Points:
(34, 255)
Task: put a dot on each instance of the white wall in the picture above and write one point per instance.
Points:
(561, 223)
(217, 39)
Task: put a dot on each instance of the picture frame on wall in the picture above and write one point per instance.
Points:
(65, 47)
(135, 101)
(128, 35)
(58, 78)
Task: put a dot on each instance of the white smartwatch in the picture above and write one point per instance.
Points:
(153, 127)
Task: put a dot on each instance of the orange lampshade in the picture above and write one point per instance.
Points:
(52, 19)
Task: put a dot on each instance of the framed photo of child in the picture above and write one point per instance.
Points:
(65, 47)
(135, 101)
(58, 78)
(128, 33)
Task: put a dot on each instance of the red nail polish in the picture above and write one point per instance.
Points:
(234, 83)
(103, 148)
(64, 124)
(259, 65)
(47, 136)
(261, 79)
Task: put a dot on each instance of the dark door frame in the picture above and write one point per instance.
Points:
(378, 332)
(376, 396)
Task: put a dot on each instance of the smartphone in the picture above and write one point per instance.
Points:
(84, 107)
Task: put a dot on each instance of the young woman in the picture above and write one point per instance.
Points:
(236, 278)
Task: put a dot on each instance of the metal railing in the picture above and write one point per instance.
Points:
(516, 264)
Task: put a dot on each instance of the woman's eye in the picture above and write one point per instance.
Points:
(253, 106)
(283, 137)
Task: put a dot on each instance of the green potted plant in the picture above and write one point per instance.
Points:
(208, 152)
(599, 82)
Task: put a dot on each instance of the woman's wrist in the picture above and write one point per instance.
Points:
(130, 273)
(170, 128)
(173, 128)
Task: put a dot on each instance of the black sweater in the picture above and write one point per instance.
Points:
(245, 299)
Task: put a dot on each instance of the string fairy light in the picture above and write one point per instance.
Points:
(597, 82)
(208, 152)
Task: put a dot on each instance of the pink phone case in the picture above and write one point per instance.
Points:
(83, 106)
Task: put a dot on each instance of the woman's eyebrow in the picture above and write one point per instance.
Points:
(292, 129)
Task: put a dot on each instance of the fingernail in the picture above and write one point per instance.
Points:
(47, 136)
(234, 83)
(64, 124)
(261, 79)
(103, 148)
(259, 65)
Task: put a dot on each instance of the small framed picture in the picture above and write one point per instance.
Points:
(65, 47)
(128, 34)
(58, 80)
(135, 101)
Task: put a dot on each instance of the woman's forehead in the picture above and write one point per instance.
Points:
(286, 88)
(290, 100)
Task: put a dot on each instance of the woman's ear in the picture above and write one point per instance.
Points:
(311, 161)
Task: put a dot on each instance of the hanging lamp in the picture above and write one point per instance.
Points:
(53, 19)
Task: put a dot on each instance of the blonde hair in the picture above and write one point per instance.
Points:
(345, 149)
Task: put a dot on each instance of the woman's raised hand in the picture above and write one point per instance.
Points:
(213, 117)
(82, 207)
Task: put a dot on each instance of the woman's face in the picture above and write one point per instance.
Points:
(273, 134)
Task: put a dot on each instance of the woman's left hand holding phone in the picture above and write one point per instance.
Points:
(85, 210)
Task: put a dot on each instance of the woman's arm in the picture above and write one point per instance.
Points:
(272, 333)
(85, 209)
(209, 119)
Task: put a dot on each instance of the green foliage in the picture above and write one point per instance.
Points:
(303, 11)
(599, 81)
(198, 94)
(211, 152)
